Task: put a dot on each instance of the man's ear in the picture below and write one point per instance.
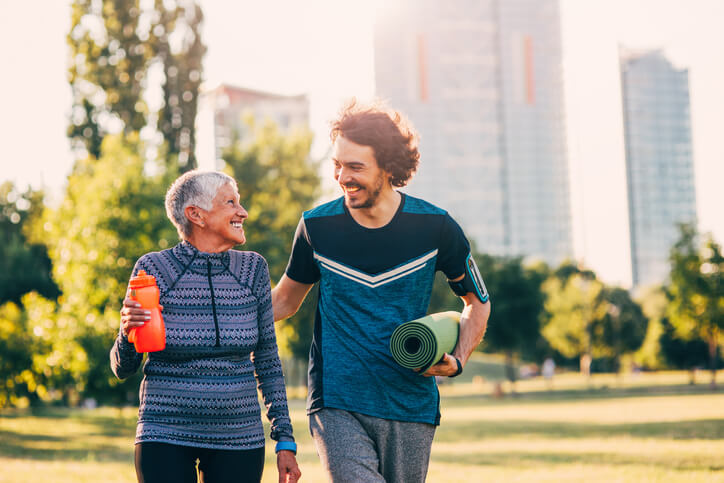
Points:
(195, 215)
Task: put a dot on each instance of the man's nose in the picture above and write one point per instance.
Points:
(342, 175)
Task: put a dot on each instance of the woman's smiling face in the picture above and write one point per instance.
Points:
(224, 222)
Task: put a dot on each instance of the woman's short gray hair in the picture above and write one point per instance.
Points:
(193, 188)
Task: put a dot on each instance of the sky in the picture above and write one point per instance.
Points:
(323, 48)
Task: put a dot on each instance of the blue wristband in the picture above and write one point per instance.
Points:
(286, 445)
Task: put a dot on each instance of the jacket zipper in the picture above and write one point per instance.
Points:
(213, 302)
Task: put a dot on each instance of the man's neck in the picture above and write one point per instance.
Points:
(381, 213)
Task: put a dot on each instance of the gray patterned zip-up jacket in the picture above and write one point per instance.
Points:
(220, 342)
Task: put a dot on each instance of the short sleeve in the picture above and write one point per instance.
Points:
(301, 267)
(454, 248)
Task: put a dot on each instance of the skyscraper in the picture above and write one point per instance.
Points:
(481, 80)
(659, 166)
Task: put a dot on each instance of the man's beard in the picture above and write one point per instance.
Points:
(371, 195)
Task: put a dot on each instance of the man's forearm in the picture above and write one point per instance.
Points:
(473, 323)
(281, 306)
(287, 297)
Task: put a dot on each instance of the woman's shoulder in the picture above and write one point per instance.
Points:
(245, 256)
(161, 264)
(155, 258)
(247, 264)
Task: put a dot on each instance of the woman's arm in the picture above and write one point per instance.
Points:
(268, 371)
(125, 361)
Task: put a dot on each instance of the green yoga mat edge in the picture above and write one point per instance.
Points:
(422, 342)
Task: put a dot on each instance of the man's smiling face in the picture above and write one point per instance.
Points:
(357, 172)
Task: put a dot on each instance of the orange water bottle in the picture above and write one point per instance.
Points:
(152, 336)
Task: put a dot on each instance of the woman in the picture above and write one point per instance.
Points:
(198, 398)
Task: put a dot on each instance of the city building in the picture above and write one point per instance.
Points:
(659, 164)
(224, 113)
(481, 80)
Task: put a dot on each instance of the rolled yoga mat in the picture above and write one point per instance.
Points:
(420, 343)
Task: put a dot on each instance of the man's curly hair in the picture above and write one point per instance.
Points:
(386, 131)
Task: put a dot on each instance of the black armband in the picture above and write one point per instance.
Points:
(460, 368)
(471, 282)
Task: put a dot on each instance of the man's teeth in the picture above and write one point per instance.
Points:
(236, 224)
(352, 189)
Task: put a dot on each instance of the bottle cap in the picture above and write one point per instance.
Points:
(142, 280)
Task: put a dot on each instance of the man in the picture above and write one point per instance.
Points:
(374, 252)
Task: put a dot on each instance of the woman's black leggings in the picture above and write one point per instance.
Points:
(171, 463)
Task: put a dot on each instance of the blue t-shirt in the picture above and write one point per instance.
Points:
(371, 281)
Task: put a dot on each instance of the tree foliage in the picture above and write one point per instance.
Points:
(573, 305)
(696, 292)
(516, 305)
(182, 67)
(16, 347)
(277, 181)
(653, 304)
(24, 267)
(587, 319)
(112, 213)
(622, 329)
(115, 44)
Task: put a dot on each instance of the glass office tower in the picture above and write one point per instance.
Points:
(659, 165)
(481, 81)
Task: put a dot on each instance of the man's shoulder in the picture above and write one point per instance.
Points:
(418, 206)
(331, 208)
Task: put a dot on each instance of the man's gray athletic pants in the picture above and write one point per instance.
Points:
(356, 448)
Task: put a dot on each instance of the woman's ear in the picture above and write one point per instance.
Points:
(195, 215)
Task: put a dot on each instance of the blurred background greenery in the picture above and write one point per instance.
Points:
(65, 266)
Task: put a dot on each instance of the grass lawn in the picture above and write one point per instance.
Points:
(653, 427)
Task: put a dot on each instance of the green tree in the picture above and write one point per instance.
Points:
(573, 306)
(517, 306)
(277, 182)
(682, 353)
(42, 360)
(24, 267)
(622, 329)
(663, 347)
(182, 68)
(653, 304)
(516, 309)
(16, 347)
(114, 45)
(696, 292)
(112, 213)
(108, 66)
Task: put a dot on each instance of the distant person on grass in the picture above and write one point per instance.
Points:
(199, 395)
(548, 370)
(375, 251)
